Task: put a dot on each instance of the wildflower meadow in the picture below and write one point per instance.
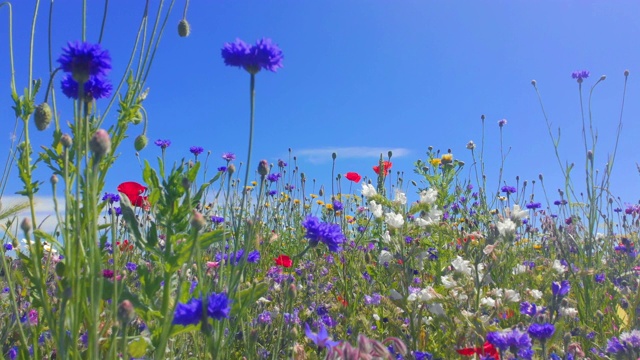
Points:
(223, 255)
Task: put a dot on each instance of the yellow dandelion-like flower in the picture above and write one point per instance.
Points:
(307, 206)
(249, 188)
(349, 218)
(524, 240)
(266, 205)
(537, 246)
(434, 162)
(446, 158)
(329, 206)
(502, 198)
(320, 202)
(494, 211)
(313, 196)
(296, 201)
(254, 183)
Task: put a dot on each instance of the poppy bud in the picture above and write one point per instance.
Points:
(66, 140)
(126, 312)
(293, 290)
(42, 116)
(100, 143)
(334, 156)
(533, 82)
(186, 184)
(321, 192)
(263, 168)
(25, 225)
(183, 28)
(141, 142)
(603, 77)
(626, 72)
(590, 154)
(390, 154)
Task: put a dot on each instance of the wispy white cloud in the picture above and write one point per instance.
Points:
(44, 209)
(321, 155)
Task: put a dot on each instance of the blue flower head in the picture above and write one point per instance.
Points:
(94, 88)
(329, 234)
(189, 313)
(321, 339)
(560, 289)
(253, 58)
(541, 331)
(83, 60)
(218, 306)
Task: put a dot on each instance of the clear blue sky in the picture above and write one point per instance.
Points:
(368, 76)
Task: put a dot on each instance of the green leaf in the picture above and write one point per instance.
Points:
(248, 296)
(138, 348)
(130, 218)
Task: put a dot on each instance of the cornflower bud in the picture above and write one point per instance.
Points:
(25, 225)
(66, 140)
(263, 168)
(197, 220)
(100, 143)
(42, 116)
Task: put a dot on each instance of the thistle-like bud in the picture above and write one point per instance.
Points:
(100, 143)
(197, 220)
(25, 225)
(231, 169)
(126, 312)
(141, 142)
(66, 140)
(42, 116)
(183, 28)
(54, 179)
(263, 168)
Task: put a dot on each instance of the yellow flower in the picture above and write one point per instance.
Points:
(494, 211)
(254, 183)
(502, 198)
(349, 218)
(329, 206)
(307, 206)
(338, 213)
(537, 246)
(447, 158)
(434, 162)
(296, 201)
(266, 205)
(313, 196)
(320, 202)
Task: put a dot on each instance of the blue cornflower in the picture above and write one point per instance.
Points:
(218, 306)
(321, 339)
(94, 88)
(502, 122)
(111, 198)
(193, 286)
(614, 346)
(330, 234)
(420, 355)
(580, 75)
(162, 143)
(508, 189)
(264, 317)
(560, 289)
(217, 219)
(273, 177)
(131, 266)
(189, 313)
(83, 59)
(272, 192)
(337, 205)
(513, 340)
(8, 247)
(116, 209)
(541, 332)
(253, 58)
(222, 169)
(600, 278)
(533, 205)
(253, 256)
(229, 156)
(281, 163)
(374, 299)
(196, 150)
(13, 353)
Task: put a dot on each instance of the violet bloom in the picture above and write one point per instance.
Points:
(253, 58)
(527, 308)
(541, 332)
(502, 122)
(580, 75)
(508, 189)
(107, 273)
(218, 306)
(560, 289)
(321, 339)
(196, 150)
(189, 313)
(281, 163)
(94, 88)
(254, 256)
(222, 169)
(83, 59)
(330, 234)
(273, 177)
(115, 210)
(533, 205)
(163, 144)
(217, 219)
(229, 156)
(513, 340)
(337, 205)
(111, 198)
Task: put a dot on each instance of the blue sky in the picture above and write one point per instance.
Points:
(364, 77)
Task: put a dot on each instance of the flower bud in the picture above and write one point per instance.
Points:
(197, 220)
(231, 169)
(42, 116)
(126, 312)
(626, 72)
(183, 28)
(603, 77)
(54, 179)
(25, 225)
(100, 143)
(141, 142)
(66, 140)
(590, 154)
(263, 168)
(533, 82)
(293, 290)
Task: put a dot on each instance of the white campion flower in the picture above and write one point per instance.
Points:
(511, 296)
(431, 218)
(400, 197)
(436, 309)
(534, 293)
(448, 281)
(558, 267)
(385, 257)
(462, 266)
(428, 196)
(459, 295)
(368, 190)
(519, 269)
(506, 227)
(487, 301)
(386, 237)
(394, 220)
(376, 317)
(518, 213)
(427, 294)
(376, 209)
(568, 312)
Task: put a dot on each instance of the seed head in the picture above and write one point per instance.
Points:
(184, 29)
(42, 116)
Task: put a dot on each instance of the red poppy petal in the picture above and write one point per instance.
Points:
(468, 351)
(353, 176)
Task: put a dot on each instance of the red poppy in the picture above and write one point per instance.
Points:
(386, 164)
(486, 349)
(353, 176)
(342, 300)
(133, 190)
(284, 261)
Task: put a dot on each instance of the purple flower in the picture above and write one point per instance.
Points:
(273, 177)
(163, 143)
(111, 198)
(222, 169)
(560, 289)
(600, 278)
(281, 163)
(218, 306)
(329, 234)
(228, 156)
(196, 150)
(337, 205)
(116, 209)
(83, 59)
(131, 266)
(107, 273)
(253, 256)
(217, 219)
(527, 308)
(264, 317)
(13, 353)
(374, 299)
(614, 346)
(502, 122)
(263, 55)
(541, 332)
(321, 339)
(272, 192)
(419, 355)
(8, 247)
(189, 313)
(533, 205)
(94, 88)
(508, 189)
(580, 75)
(514, 340)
